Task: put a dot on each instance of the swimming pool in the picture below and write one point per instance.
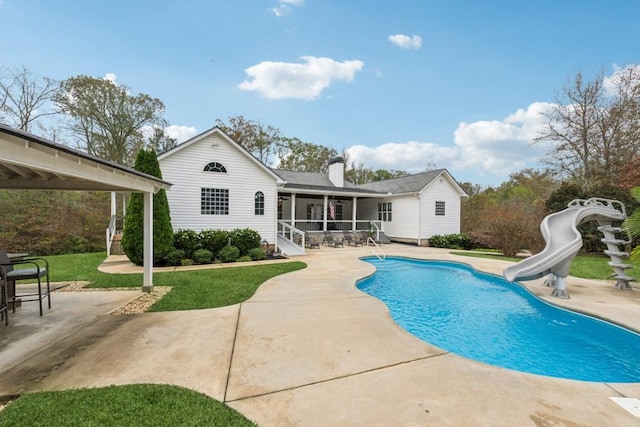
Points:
(485, 318)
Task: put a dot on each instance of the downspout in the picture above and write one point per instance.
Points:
(419, 219)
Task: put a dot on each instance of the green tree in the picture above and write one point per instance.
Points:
(632, 224)
(133, 236)
(296, 155)
(108, 121)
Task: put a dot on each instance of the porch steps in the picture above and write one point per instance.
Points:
(116, 244)
(286, 247)
(383, 238)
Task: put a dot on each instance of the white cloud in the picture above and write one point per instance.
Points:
(281, 80)
(406, 42)
(614, 83)
(284, 7)
(109, 76)
(411, 156)
(489, 149)
(181, 133)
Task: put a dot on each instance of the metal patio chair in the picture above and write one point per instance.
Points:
(35, 268)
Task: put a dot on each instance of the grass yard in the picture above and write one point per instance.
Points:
(585, 266)
(192, 290)
(144, 404)
(128, 405)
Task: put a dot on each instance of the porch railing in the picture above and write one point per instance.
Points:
(291, 233)
(341, 225)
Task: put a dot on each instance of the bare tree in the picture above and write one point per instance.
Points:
(594, 127)
(25, 98)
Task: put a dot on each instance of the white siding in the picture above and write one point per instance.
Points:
(440, 190)
(403, 224)
(184, 169)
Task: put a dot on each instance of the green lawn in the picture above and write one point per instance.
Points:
(128, 405)
(144, 404)
(192, 290)
(585, 266)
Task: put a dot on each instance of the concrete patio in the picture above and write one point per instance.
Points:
(308, 349)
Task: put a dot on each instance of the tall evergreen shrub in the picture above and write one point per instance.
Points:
(133, 236)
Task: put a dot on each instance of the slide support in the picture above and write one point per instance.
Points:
(560, 289)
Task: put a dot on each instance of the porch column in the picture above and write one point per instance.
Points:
(114, 203)
(293, 209)
(324, 213)
(147, 278)
(354, 210)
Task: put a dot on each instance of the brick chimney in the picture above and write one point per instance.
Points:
(336, 171)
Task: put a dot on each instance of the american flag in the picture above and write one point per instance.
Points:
(332, 210)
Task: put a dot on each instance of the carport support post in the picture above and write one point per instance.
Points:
(147, 279)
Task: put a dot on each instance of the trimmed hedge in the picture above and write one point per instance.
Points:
(452, 241)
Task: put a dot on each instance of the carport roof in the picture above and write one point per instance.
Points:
(28, 161)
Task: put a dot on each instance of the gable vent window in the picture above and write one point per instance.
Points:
(440, 208)
(259, 203)
(215, 167)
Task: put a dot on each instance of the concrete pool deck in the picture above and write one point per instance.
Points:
(310, 349)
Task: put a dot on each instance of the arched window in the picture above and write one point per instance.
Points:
(215, 167)
(259, 203)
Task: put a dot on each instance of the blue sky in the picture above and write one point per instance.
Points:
(399, 84)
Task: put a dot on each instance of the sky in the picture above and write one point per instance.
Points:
(402, 84)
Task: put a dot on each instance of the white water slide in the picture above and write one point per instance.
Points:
(563, 241)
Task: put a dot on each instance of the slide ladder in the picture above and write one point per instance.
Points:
(617, 255)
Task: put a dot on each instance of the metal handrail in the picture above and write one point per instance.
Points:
(291, 231)
(380, 253)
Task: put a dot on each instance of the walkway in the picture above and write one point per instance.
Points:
(310, 349)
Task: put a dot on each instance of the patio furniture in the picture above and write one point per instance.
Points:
(34, 268)
(328, 237)
(351, 239)
(4, 297)
(310, 243)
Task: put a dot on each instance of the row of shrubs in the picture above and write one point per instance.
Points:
(209, 246)
(453, 241)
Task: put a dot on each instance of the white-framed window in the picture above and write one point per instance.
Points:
(259, 203)
(214, 201)
(440, 208)
(215, 167)
(314, 212)
(384, 211)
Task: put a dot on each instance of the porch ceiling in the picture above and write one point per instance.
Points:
(31, 162)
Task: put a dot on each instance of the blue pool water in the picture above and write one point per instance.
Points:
(486, 318)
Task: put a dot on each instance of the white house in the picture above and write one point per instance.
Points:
(217, 184)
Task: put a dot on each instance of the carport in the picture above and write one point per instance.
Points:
(28, 162)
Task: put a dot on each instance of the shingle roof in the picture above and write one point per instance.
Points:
(317, 181)
(403, 184)
(314, 179)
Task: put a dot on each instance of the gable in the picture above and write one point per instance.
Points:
(214, 146)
